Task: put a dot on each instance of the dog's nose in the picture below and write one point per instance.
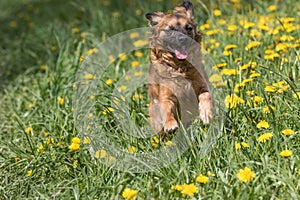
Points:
(182, 38)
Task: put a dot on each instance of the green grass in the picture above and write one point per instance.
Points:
(37, 33)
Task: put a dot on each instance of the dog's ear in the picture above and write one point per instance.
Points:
(154, 17)
(185, 7)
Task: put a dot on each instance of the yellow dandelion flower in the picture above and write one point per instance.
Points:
(135, 63)
(138, 12)
(215, 78)
(219, 65)
(46, 134)
(265, 137)
(89, 76)
(169, 143)
(13, 24)
(286, 153)
(210, 174)
(29, 172)
(75, 30)
(230, 72)
(154, 141)
(109, 82)
(76, 140)
(134, 35)
(266, 109)
(100, 153)
(232, 27)
(202, 179)
(271, 8)
(176, 187)
(86, 140)
(28, 130)
(129, 194)
(122, 88)
(122, 56)
(75, 164)
(83, 35)
(230, 47)
(131, 149)
(241, 145)
(217, 13)
(140, 43)
(17, 159)
(127, 78)
(286, 38)
(287, 132)
(297, 95)
(258, 99)
(251, 45)
(263, 124)
(112, 159)
(189, 189)
(116, 14)
(270, 88)
(60, 100)
(43, 67)
(138, 54)
(231, 101)
(245, 174)
(139, 73)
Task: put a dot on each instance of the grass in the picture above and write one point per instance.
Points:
(42, 47)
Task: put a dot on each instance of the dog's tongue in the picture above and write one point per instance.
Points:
(181, 55)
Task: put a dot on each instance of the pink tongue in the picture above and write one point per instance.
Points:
(181, 55)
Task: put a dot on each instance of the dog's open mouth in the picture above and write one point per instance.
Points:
(181, 54)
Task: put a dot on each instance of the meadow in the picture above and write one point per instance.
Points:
(252, 55)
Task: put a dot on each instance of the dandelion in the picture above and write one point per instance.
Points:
(75, 164)
(108, 110)
(112, 159)
(265, 137)
(83, 35)
(189, 189)
(176, 187)
(138, 12)
(287, 132)
(210, 174)
(60, 100)
(231, 101)
(296, 95)
(100, 153)
(219, 65)
(89, 76)
(43, 67)
(140, 43)
(108, 81)
(116, 14)
(122, 88)
(29, 172)
(131, 149)
(263, 124)
(286, 153)
(270, 88)
(215, 78)
(138, 54)
(75, 145)
(129, 194)
(86, 140)
(232, 27)
(266, 109)
(28, 130)
(245, 174)
(230, 72)
(122, 56)
(17, 159)
(251, 45)
(258, 99)
(169, 143)
(154, 141)
(139, 73)
(202, 179)
(134, 35)
(75, 30)
(217, 13)
(271, 8)
(241, 145)
(135, 63)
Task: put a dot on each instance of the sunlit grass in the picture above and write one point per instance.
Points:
(254, 46)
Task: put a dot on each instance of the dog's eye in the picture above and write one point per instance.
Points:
(188, 27)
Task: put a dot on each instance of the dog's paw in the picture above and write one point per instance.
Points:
(205, 107)
(171, 126)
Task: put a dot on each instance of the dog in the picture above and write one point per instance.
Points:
(178, 85)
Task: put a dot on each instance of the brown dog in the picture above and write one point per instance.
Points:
(178, 85)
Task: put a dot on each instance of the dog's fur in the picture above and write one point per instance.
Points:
(173, 79)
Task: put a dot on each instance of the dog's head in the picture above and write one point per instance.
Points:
(174, 32)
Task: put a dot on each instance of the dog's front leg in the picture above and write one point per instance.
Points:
(168, 105)
(205, 107)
